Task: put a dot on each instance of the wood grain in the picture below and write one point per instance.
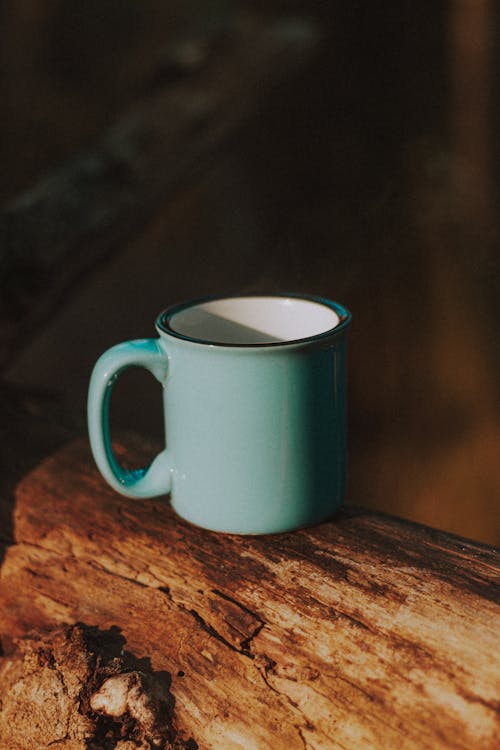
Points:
(366, 631)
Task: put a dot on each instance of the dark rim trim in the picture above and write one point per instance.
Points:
(345, 317)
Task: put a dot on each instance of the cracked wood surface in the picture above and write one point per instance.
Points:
(78, 687)
(364, 632)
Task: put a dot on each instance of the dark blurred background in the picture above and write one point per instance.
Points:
(370, 176)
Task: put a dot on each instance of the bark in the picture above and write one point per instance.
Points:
(364, 632)
(77, 688)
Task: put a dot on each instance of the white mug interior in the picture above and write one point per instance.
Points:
(254, 320)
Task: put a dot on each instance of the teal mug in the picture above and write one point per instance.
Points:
(255, 411)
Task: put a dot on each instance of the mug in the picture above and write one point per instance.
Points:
(255, 411)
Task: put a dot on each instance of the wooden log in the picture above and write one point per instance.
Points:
(364, 632)
(77, 687)
(57, 232)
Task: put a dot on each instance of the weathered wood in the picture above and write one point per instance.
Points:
(364, 632)
(77, 687)
(57, 232)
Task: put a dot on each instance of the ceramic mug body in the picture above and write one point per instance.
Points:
(255, 415)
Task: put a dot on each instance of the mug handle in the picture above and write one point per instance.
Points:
(156, 478)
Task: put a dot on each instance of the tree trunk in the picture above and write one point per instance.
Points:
(363, 632)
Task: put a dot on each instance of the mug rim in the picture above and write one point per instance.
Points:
(164, 318)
